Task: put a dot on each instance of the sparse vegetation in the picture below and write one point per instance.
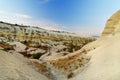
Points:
(6, 46)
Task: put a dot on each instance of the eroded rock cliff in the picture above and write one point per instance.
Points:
(113, 25)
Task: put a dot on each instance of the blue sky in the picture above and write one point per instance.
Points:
(84, 17)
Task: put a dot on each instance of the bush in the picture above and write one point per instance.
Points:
(37, 56)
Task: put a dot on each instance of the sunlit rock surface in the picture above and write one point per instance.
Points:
(15, 67)
(113, 25)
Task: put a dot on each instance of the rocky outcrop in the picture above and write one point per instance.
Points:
(104, 61)
(70, 65)
(15, 67)
(113, 25)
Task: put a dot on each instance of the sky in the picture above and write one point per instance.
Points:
(84, 17)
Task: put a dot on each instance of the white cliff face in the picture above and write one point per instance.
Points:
(113, 25)
(104, 63)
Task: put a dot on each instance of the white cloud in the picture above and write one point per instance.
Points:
(27, 20)
(22, 15)
(14, 14)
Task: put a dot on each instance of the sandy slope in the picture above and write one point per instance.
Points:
(14, 67)
(105, 60)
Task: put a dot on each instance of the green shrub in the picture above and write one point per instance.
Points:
(37, 56)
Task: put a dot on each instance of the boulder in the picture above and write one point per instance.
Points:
(19, 47)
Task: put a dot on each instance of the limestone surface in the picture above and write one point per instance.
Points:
(113, 25)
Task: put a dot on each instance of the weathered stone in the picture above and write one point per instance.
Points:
(113, 25)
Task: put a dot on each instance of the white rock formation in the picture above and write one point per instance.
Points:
(105, 58)
(112, 25)
(14, 67)
(105, 61)
(19, 47)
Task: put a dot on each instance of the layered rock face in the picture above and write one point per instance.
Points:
(17, 32)
(113, 25)
(48, 40)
